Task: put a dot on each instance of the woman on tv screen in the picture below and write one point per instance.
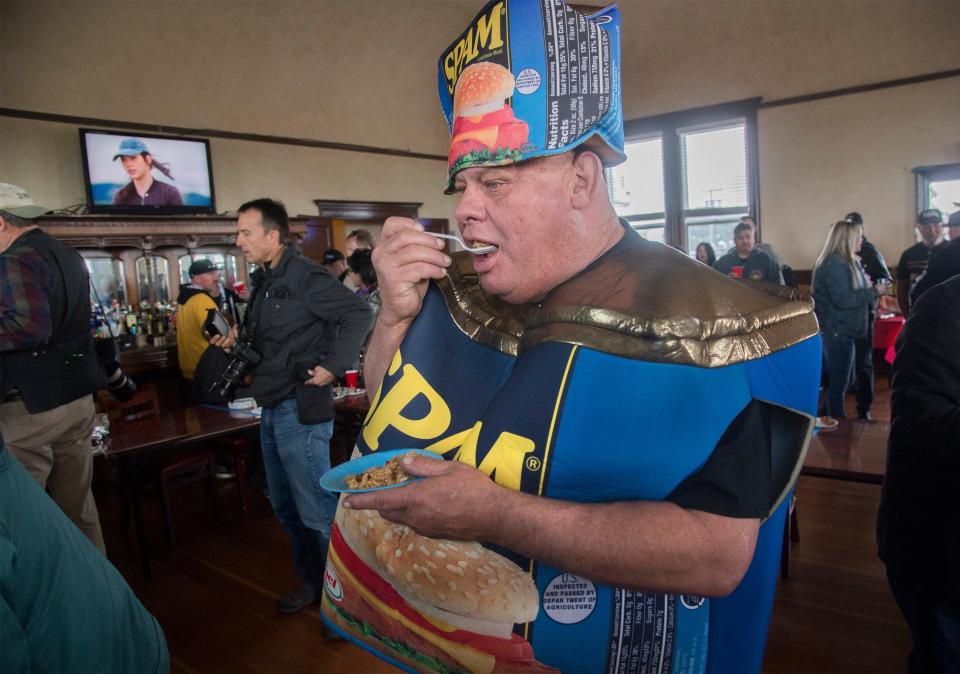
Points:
(143, 190)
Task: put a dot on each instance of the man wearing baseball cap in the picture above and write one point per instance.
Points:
(914, 260)
(193, 304)
(48, 365)
(335, 263)
(622, 424)
(944, 261)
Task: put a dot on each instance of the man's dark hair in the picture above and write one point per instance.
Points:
(274, 215)
(362, 236)
(741, 227)
(361, 262)
(14, 221)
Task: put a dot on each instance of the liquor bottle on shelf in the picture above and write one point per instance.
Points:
(131, 321)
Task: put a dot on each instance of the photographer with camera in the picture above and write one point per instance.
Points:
(302, 329)
(48, 362)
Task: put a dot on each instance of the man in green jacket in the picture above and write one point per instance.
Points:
(63, 606)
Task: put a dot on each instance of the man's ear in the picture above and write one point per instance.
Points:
(587, 178)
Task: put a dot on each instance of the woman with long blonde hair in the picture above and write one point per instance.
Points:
(842, 296)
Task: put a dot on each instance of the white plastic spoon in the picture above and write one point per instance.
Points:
(480, 250)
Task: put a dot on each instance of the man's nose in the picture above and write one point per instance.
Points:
(470, 206)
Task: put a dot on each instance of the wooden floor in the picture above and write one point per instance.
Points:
(214, 594)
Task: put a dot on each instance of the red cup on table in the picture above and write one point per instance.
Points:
(351, 378)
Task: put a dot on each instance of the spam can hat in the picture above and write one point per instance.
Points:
(531, 78)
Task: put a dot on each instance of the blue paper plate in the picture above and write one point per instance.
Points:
(335, 478)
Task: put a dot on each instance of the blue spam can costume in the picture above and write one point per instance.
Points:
(634, 380)
(588, 403)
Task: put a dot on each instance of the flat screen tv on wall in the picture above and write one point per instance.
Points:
(146, 174)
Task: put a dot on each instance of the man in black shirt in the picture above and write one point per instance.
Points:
(944, 263)
(914, 259)
(746, 261)
(302, 330)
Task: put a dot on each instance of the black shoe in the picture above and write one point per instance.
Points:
(299, 600)
(865, 416)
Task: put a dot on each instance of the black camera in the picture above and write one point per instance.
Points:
(244, 357)
(120, 385)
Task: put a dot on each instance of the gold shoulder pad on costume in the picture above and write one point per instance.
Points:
(651, 303)
(482, 317)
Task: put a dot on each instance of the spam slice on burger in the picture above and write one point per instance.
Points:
(483, 120)
(438, 605)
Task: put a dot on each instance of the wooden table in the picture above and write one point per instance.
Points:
(131, 444)
(175, 427)
(855, 451)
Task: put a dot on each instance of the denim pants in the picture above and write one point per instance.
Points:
(838, 350)
(295, 455)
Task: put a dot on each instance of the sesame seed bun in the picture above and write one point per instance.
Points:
(482, 88)
(460, 582)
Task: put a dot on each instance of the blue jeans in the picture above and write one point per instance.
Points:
(838, 351)
(295, 455)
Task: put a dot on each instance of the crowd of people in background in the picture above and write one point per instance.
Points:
(847, 282)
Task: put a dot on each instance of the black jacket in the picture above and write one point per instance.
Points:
(301, 316)
(65, 368)
(873, 262)
(917, 528)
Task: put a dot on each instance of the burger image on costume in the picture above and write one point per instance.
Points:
(484, 127)
(437, 605)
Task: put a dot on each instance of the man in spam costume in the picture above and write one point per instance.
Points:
(621, 425)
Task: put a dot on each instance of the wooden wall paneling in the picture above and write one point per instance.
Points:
(331, 210)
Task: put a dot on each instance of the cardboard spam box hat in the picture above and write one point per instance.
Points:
(531, 78)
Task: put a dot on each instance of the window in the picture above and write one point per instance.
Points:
(714, 163)
(636, 187)
(939, 187)
(689, 176)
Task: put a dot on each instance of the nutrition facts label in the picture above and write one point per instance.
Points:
(578, 73)
(641, 632)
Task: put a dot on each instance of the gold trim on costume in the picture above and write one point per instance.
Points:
(679, 311)
(482, 317)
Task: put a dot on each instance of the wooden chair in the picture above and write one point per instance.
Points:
(175, 471)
